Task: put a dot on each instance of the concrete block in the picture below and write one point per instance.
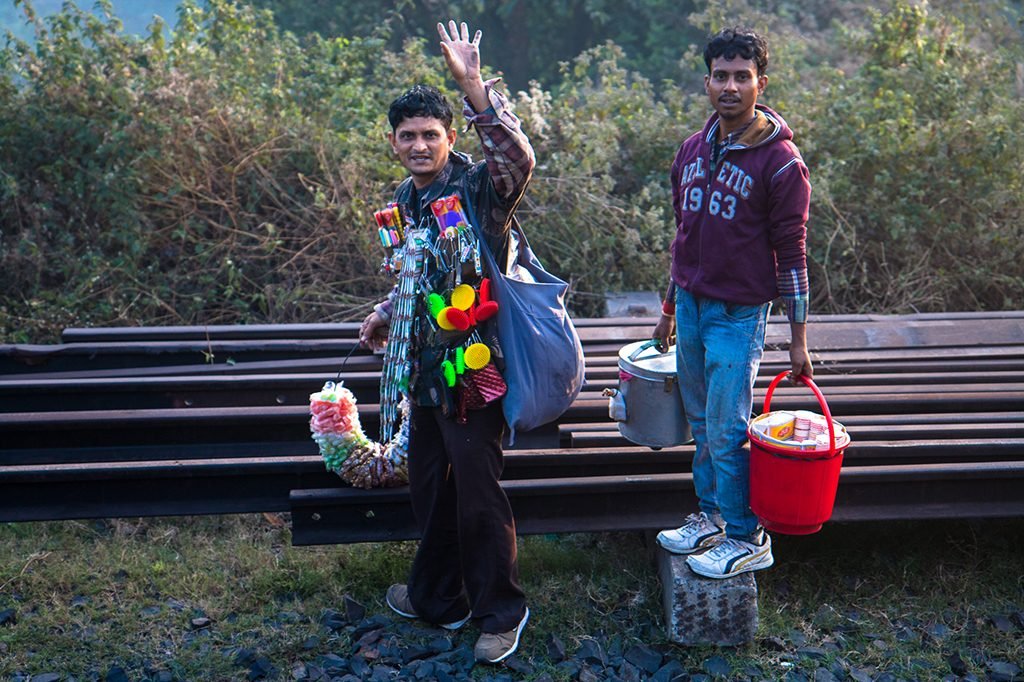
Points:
(703, 611)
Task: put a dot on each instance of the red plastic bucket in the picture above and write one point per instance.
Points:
(792, 491)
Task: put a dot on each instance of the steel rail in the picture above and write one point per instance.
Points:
(936, 491)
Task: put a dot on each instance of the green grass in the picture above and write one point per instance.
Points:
(92, 595)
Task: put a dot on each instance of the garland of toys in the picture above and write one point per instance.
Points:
(458, 307)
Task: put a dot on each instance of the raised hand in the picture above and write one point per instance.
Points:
(461, 53)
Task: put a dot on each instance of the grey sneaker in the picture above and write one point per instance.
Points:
(397, 598)
(699, 532)
(496, 647)
(733, 557)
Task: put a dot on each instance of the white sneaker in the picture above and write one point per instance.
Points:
(699, 532)
(732, 557)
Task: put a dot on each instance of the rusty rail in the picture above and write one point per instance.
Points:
(132, 423)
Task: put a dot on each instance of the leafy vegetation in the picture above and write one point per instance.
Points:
(226, 171)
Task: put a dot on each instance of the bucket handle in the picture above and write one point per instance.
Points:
(807, 381)
(653, 343)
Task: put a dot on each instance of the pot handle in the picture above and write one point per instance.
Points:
(807, 381)
(645, 346)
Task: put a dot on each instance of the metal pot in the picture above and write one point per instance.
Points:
(647, 404)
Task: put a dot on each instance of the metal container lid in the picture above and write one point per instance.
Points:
(642, 359)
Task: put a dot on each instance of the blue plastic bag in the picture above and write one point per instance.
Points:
(542, 350)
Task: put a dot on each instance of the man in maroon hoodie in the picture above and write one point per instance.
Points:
(740, 191)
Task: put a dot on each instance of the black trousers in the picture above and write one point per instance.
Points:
(466, 560)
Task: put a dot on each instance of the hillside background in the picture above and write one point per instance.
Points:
(219, 162)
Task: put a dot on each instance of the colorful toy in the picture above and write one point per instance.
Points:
(486, 308)
(448, 370)
(449, 214)
(463, 296)
(477, 356)
(435, 304)
(458, 319)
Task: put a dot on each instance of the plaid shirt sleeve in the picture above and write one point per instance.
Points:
(795, 291)
(507, 151)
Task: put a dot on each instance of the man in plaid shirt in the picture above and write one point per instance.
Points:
(465, 566)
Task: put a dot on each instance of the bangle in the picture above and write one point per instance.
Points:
(667, 309)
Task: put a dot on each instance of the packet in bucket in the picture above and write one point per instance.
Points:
(797, 430)
(795, 458)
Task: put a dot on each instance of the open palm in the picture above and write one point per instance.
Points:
(461, 53)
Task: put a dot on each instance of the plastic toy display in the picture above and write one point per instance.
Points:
(422, 263)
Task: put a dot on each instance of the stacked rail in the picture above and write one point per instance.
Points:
(193, 420)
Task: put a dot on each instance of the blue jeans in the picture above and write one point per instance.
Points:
(718, 350)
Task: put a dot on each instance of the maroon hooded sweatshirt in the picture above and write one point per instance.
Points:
(740, 224)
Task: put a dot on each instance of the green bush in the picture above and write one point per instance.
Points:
(918, 201)
(226, 172)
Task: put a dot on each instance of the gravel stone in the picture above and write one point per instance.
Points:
(591, 651)
(383, 673)
(8, 617)
(440, 645)
(354, 611)
(519, 665)
(716, 666)
(46, 677)
(261, 668)
(1002, 623)
(374, 622)
(332, 620)
(669, 672)
(333, 664)
(244, 657)
(555, 648)
(116, 674)
(358, 665)
(569, 668)
(774, 643)
(1003, 671)
(956, 664)
(644, 657)
(905, 634)
(415, 653)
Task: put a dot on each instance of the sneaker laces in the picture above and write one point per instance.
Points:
(725, 547)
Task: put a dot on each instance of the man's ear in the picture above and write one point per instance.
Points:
(451, 137)
(391, 141)
(762, 81)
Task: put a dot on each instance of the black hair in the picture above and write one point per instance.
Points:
(737, 42)
(420, 100)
